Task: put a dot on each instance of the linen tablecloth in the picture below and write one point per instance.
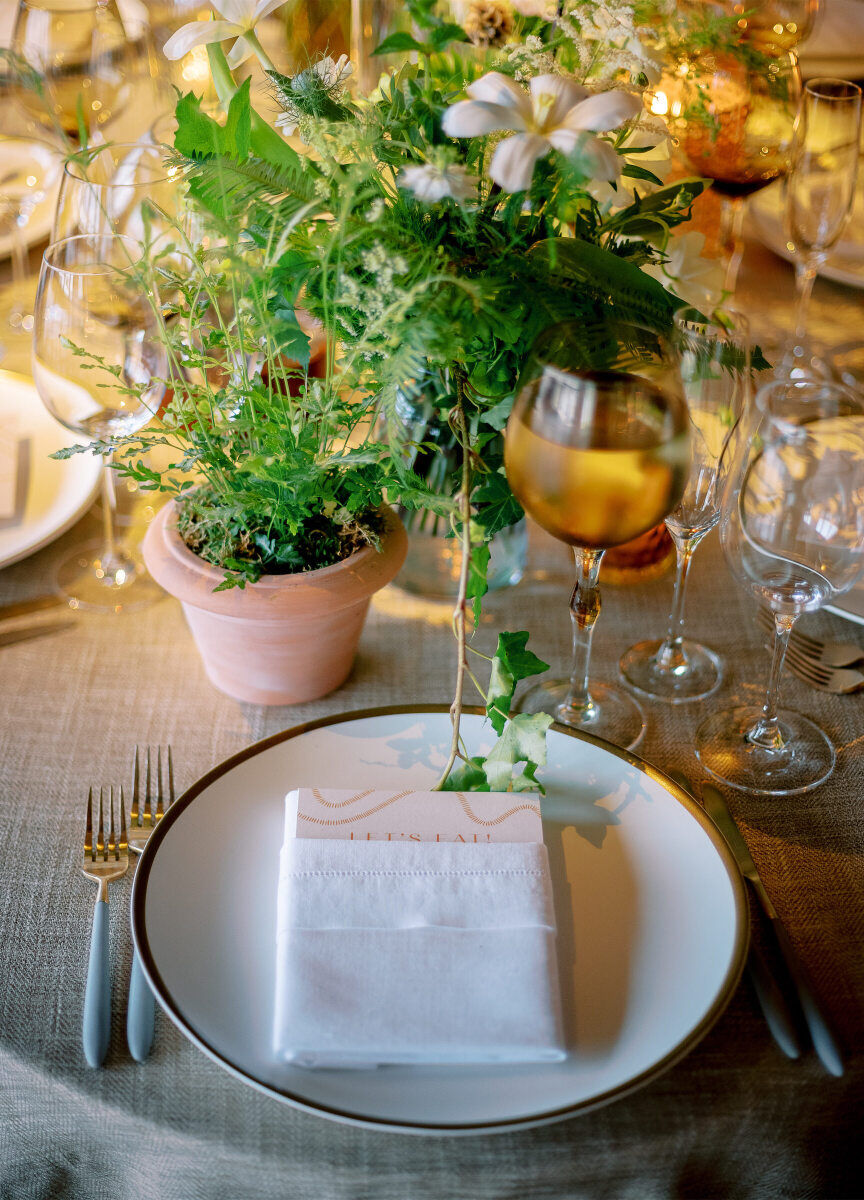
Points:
(733, 1119)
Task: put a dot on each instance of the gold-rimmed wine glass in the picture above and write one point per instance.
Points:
(100, 370)
(596, 451)
(732, 120)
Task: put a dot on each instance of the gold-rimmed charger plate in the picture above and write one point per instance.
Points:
(651, 913)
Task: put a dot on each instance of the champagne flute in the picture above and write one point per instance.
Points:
(715, 369)
(792, 528)
(820, 193)
(100, 370)
(733, 122)
(596, 452)
(81, 51)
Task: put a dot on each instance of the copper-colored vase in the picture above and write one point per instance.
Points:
(287, 638)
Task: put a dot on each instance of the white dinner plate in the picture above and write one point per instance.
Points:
(44, 163)
(52, 494)
(850, 605)
(651, 913)
(846, 261)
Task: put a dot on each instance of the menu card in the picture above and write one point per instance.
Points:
(410, 815)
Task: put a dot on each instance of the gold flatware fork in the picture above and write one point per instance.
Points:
(144, 816)
(105, 859)
(823, 653)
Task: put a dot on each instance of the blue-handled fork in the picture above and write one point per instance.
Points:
(143, 819)
(105, 859)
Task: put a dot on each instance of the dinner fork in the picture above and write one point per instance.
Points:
(841, 681)
(824, 653)
(143, 819)
(103, 861)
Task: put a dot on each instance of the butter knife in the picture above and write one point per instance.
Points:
(779, 1015)
(8, 637)
(825, 1040)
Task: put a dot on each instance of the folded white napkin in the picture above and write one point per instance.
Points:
(415, 952)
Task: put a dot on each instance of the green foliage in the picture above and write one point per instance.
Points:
(513, 661)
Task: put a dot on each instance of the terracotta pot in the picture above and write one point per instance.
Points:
(286, 638)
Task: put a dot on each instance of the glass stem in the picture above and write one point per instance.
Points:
(584, 611)
(19, 275)
(111, 561)
(766, 731)
(670, 655)
(733, 226)
(805, 277)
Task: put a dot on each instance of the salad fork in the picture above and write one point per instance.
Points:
(143, 819)
(103, 862)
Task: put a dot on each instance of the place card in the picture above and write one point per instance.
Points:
(411, 815)
(9, 455)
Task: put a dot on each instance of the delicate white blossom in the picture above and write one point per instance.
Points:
(613, 25)
(431, 183)
(239, 18)
(694, 279)
(556, 112)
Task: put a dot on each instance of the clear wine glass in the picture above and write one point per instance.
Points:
(820, 193)
(84, 57)
(714, 359)
(596, 451)
(100, 370)
(122, 188)
(792, 528)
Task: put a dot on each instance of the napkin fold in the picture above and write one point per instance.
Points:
(415, 953)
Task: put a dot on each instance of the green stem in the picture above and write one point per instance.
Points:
(460, 616)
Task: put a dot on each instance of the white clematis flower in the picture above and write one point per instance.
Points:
(430, 183)
(239, 18)
(556, 112)
(694, 279)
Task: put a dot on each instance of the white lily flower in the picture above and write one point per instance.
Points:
(430, 183)
(239, 18)
(694, 279)
(556, 112)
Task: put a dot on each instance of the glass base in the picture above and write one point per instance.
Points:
(90, 582)
(613, 716)
(805, 760)
(697, 676)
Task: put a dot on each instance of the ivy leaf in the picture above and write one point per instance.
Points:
(498, 507)
(523, 741)
(478, 585)
(445, 34)
(397, 42)
(469, 777)
(512, 662)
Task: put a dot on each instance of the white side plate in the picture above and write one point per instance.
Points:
(52, 494)
(651, 912)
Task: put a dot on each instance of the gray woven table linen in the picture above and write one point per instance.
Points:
(733, 1119)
